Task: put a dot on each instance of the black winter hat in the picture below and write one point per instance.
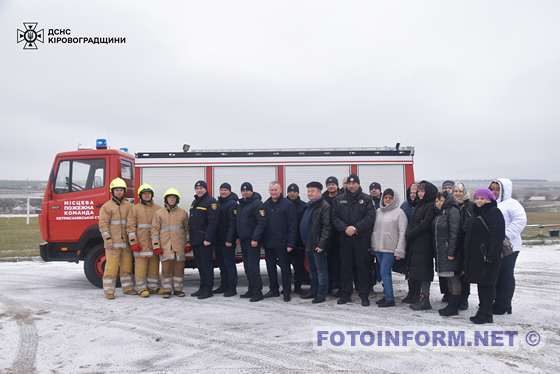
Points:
(293, 188)
(374, 185)
(331, 180)
(246, 186)
(202, 184)
(225, 185)
(353, 178)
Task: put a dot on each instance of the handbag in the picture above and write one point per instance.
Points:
(507, 247)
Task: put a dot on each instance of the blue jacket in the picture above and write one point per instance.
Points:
(250, 218)
(281, 224)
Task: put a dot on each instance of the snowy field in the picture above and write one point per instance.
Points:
(53, 321)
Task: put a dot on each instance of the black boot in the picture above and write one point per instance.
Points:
(452, 308)
(500, 310)
(204, 294)
(386, 304)
(257, 296)
(271, 294)
(319, 299)
(246, 295)
(196, 293)
(220, 289)
(423, 303)
(307, 295)
(343, 300)
(413, 293)
(480, 318)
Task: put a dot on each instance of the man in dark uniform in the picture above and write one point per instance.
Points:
(203, 223)
(375, 193)
(225, 241)
(353, 218)
(297, 256)
(250, 223)
(333, 246)
(279, 239)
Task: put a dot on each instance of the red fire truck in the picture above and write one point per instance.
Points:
(79, 184)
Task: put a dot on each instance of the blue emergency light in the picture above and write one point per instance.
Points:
(124, 149)
(101, 144)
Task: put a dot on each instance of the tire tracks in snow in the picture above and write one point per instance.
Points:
(28, 340)
(236, 345)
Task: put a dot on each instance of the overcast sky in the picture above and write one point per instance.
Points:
(473, 85)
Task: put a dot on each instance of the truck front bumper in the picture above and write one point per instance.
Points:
(58, 252)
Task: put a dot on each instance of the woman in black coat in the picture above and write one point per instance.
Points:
(483, 249)
(466, 208)
(420, 250)
(446, 227)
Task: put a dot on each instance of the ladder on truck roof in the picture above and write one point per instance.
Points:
(285, 152)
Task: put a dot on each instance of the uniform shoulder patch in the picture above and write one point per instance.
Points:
(262, 212)
(214, 206)
(235, 211)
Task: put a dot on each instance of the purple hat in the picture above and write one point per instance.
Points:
(485, 193)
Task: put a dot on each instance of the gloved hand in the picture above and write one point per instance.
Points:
(135, 247)
(157, 251)
(188, 248)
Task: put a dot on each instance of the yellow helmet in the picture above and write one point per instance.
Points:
(171, 191)
(145, 187)
(117, 183)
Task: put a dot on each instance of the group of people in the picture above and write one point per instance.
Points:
(351, 240)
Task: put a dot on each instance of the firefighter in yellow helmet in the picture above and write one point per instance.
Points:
(139, 227)
(169, 235)
(112, 224)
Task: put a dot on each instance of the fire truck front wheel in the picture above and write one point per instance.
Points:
(94, 265)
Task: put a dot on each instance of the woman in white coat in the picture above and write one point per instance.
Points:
(516, 220)
(388, 242)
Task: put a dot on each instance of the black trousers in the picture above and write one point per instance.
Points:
(374, 273)
(505, 286)
(334, 264)
(465, 287)
(225, 257)
(443, 288)
(354, 254)
(203, 257)
(251, 264)
(297, 259)
(486, 295)
(274, 257)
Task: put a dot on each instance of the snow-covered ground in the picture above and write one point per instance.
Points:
(53, 321)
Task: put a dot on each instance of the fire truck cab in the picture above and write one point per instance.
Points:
(78, 185)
